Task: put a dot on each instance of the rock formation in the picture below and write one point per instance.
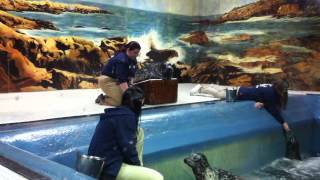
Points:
(47, 6)
(196, 37)
(17, 22)
(112, 45)
(300, 67)
(41, 61)
(276, 8)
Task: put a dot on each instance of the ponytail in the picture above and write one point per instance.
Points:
(132, 98)
(281, 89)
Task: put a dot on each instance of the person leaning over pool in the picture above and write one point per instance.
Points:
(119, 140)
(118, 73)
(273, 97)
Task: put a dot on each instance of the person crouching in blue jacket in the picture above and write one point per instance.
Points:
(119, 140)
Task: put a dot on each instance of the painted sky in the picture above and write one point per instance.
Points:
(184, 7)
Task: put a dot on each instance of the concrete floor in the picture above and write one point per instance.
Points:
(7, 174)
(35, 106)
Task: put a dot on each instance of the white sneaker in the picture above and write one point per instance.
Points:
(195, 90)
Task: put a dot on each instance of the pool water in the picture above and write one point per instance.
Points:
(287, 169)
(234, 136)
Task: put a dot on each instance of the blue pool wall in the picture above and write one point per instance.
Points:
(49, 147)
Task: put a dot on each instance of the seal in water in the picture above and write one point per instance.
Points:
(203, 171)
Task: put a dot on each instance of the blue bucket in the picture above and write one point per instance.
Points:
(231, 95)
(90, 165)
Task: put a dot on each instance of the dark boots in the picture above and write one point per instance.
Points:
(100, 99)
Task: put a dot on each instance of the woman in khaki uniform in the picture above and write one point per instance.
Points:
(117, 74)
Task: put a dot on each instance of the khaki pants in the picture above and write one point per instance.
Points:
(131, 172)
(139, 146)
(216, 91)
(112, 90)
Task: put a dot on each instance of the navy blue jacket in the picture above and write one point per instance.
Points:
(115, 139)
(265, 94)
(120, 67)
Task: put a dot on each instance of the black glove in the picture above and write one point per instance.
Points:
(290, 137)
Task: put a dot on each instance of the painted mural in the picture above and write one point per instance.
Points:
(63, 44)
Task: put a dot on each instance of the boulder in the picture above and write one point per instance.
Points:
(264, 51)
(112, 45)
(36, 88)
(67, 80)
(87, 85)
(259, 8)
(305, 75)
(17, 22)
(17, 71)
(196, 37)
(162, 55)
(277, 8)
(243, 80)
(241, 37)
(291, 10)
(66, 53)
(50, 63)
(213, 71)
